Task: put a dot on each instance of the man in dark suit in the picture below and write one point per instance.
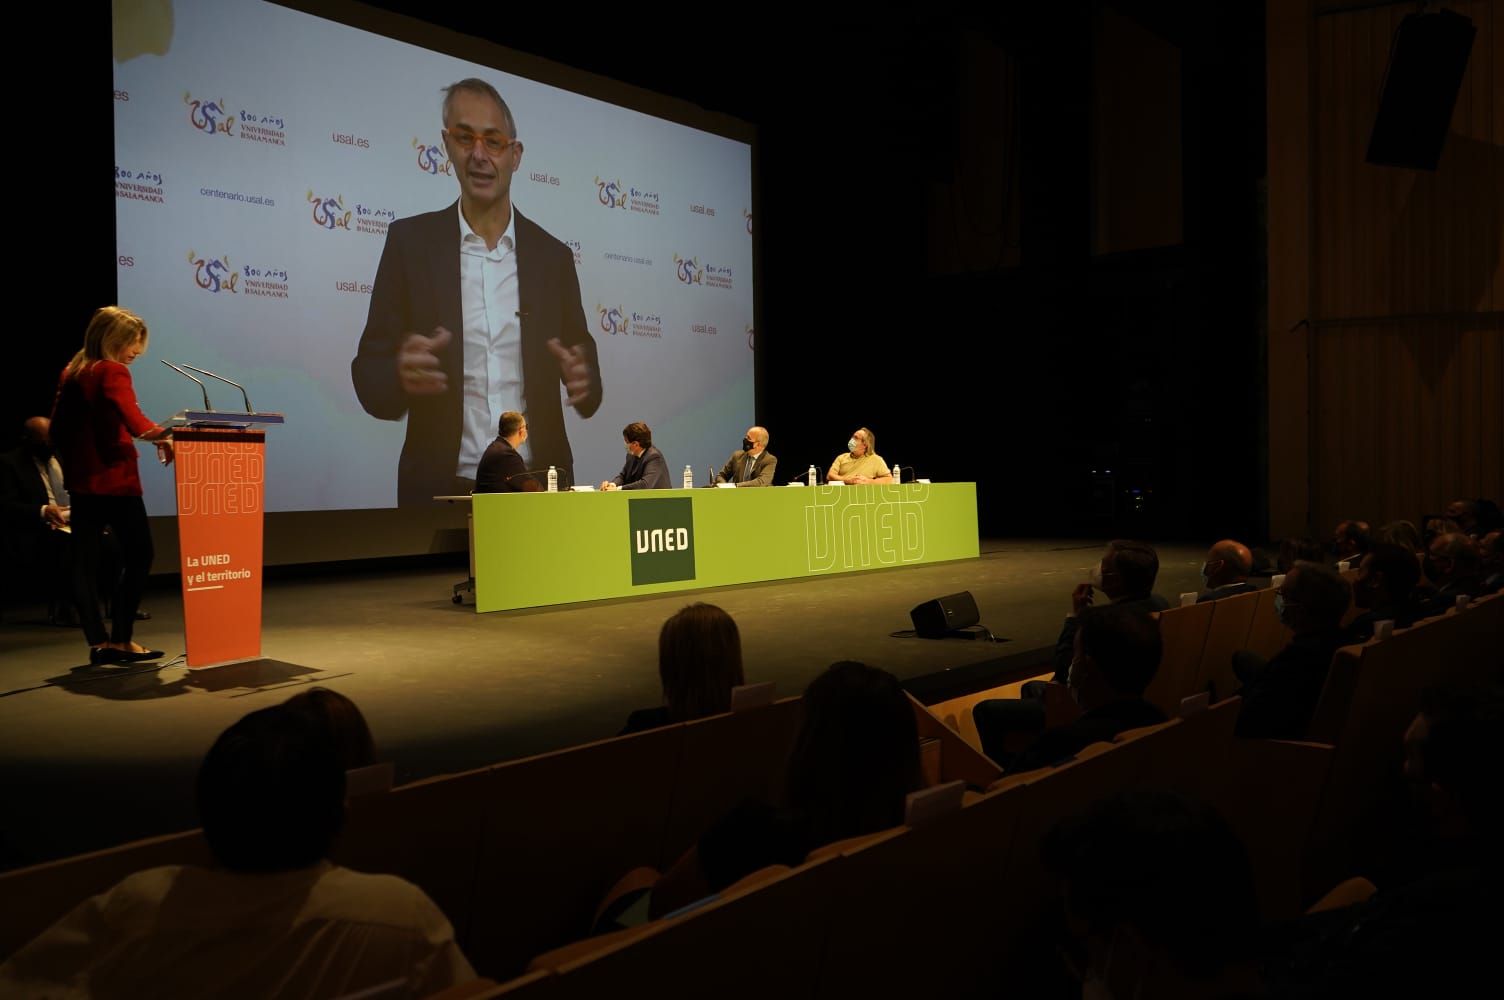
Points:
(1280, 696)
(501, 469)
(1384, 590)
(1453, 566)
(645, 468)
(475, 311)
(753, 465)
(1225, 572)
(1117, 650)
(1125, 575)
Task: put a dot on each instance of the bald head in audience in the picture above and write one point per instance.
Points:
(1227, 562)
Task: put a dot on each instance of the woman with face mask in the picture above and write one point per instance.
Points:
(861, 463)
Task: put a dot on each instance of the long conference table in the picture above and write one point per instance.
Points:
(536, 549)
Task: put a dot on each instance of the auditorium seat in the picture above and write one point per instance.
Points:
(935, 893)
(1267, 635)
(955, 713)
(558, 830)
(959, 760)
(428, 832)
(1183, 633)
(726, 759)
(1232, 619)
(763, 937)
(39, 896)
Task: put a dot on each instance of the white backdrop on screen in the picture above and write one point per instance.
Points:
(260, 153)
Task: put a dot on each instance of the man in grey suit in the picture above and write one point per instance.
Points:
(753, 465)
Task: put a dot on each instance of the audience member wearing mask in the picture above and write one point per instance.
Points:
(1225, 571)
(1280, 695)
(1384, 590)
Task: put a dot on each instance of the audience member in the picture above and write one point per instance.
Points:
(1117, 651)
(1435, 932)
(1225, 572)
(1453, 567)
(1491, 556)
(1126, 575)
(274, 917)
(853, 763)
(344, 723)
(1402, 533)
(1384, 590)
(699, 662)
(1294, 550)
(1350, 541)
(1464, 514)
(1159, 893)
(1279, 696)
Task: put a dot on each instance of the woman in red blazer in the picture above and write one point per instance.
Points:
(95, 421)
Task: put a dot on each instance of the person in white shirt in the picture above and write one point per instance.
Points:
(475, 311)
(273, 917)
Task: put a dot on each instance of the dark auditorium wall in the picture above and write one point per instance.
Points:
(1390, 402)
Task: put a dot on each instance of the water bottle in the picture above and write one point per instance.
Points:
(553, 479)
(689, 478)
(813, 476)
(897, 473)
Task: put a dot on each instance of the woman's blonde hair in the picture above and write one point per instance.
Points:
(111, 330)
(865, 436)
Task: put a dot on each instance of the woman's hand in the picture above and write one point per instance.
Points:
(164, 451)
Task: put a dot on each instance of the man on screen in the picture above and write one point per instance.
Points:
(475, 311)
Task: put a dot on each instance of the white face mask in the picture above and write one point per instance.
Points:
(851, 445)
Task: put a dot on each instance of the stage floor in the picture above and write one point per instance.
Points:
(91, 757)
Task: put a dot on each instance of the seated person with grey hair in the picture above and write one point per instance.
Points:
(1280, 695)
(1454, 569)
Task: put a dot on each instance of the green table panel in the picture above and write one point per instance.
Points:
(534, 549)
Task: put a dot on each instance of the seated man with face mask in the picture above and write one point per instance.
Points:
(1117, 651)
(861, 463)
(1280, 695)
(1384, 590)
(754, 465)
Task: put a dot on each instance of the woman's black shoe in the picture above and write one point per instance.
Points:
(103, 655)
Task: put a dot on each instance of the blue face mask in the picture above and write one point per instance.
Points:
(1282, 608)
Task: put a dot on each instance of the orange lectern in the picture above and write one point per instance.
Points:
(221, 493)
